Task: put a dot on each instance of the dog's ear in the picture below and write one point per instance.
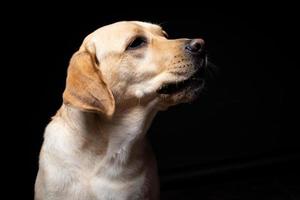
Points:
(85, 87)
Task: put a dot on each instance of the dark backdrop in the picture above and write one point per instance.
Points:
(243, 120)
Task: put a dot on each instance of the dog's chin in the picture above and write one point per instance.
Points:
(181, 92)
(184, 96)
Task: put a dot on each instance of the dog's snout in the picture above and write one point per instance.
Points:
(195, 46)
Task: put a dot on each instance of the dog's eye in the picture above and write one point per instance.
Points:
(137, 43)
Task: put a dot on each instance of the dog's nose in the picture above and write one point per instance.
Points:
(195, 46)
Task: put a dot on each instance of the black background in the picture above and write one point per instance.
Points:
(244, 120)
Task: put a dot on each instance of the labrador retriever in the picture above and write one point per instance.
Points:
(123, 74)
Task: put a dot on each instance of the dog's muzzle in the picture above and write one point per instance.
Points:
(196, 51)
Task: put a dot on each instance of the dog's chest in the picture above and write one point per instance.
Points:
(134, 189)
(98, 184)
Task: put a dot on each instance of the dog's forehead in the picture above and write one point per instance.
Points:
(113, 37)
(123, 29)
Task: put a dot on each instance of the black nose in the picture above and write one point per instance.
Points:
(195, 46)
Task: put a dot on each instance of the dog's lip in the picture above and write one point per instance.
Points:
(175, 87)
(193, 81)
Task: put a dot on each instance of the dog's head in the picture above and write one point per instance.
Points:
(134, 61)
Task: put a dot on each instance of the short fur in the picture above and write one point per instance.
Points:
(95, 146)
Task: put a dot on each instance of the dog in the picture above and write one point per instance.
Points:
(95, 147)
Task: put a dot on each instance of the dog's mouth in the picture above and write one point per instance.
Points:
(194, 81)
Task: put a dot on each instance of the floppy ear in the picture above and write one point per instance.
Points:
(85, 88)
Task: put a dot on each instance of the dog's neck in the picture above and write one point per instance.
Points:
(113, 138)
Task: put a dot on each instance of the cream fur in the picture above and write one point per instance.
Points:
(92, 153)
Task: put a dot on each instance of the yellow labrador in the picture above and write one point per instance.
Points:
(122, 75)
